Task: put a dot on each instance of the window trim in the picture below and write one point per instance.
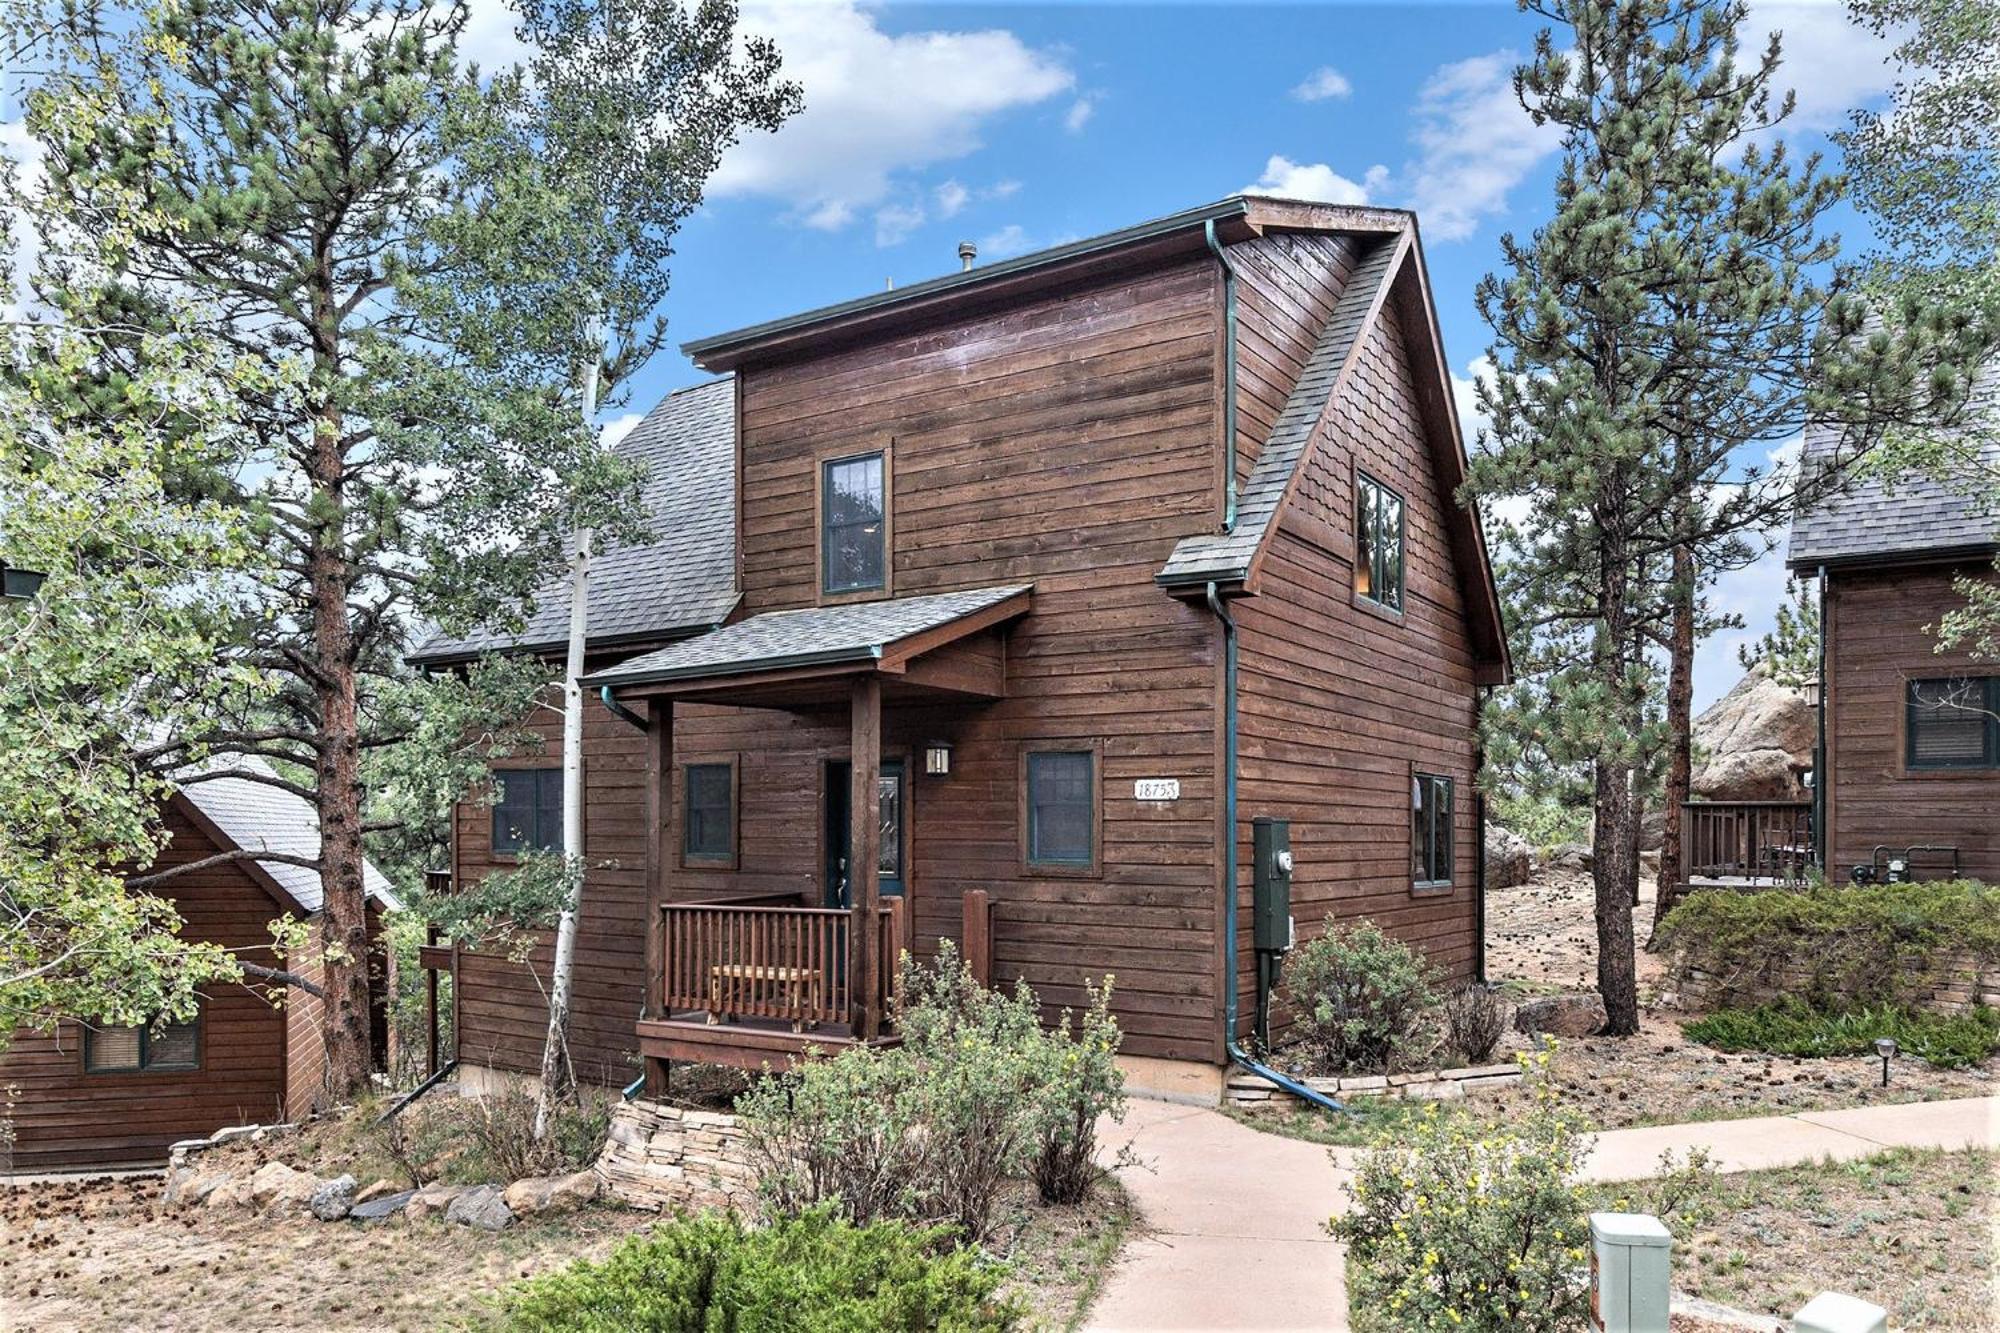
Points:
(145, 1065)
(1419, 886)
(1989, 761)
(690, 860)
(1364, 601)
(1092, 868)
(493, 847)
(822, 462)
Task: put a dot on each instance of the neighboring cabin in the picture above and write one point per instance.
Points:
(940, 605)
(83, 1095)
(1911, 751)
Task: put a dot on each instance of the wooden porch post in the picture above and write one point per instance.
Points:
(864, 861)
(659, 858)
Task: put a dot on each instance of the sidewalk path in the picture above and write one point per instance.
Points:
(1231, 1217)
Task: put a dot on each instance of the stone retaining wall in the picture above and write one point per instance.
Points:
(1430, 1085)
(664, 1157)
(1962, 984)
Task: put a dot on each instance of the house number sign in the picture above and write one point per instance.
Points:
(1156, 789)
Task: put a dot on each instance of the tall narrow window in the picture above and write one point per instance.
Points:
(1954, 722)
(1062, 808)
(1378, 542)
(528, 817)
(1430, 831)
(709, 831)
(142, 1049)
(852, 516)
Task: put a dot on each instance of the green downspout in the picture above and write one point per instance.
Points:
(1820, 776)
(1229, 893)
(604, 693)
(1229, 381)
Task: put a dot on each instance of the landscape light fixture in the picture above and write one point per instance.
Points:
(1886, 1048)
(937, 758)
(19, 585)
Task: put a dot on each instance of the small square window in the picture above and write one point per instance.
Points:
(1431, 831)
(529, 814)
(1378, 543)
(853, 510)
(708, 832)
(1062, 808)
(1954, 722)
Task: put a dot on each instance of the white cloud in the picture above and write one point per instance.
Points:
(25, 152)
(1079, 114)
(1832, 65)
(1323, 83)
(951, 199)
(1315, 181)
(1011, 239)
(619, 427)
(894, 223)
(1475, 145)
(488, 40)
(876, 106)
(1754, 592)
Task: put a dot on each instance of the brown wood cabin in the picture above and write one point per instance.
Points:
(936, 640)
(84, 1096)
(1910, 743)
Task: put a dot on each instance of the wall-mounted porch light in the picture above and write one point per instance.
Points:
(20, 585)
(937, 758)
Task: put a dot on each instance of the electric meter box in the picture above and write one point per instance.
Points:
(1271, 884)
(1630, 1273)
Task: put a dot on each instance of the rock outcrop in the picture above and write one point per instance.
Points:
(1510, 861)
(1754, 743)
(1578, 1015)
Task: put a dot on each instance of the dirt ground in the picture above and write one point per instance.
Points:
(102, 1256)
(1910, 1231)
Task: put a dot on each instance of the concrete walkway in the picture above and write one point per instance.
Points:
(1231, 1233)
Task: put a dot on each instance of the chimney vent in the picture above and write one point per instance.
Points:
(967, 252)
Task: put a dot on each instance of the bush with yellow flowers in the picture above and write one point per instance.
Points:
(1456, 1225)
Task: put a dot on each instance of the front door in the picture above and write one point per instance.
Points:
(890, 807)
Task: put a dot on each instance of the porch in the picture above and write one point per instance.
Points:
(1747, 844)
(760, 979)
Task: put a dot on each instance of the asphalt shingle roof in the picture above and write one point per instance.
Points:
(855, 631)
(258, 817)
(1876, 517)
(685, 578)
(1226, 556)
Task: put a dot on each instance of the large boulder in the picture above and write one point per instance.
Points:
(1578, 1015)
(431, 1199)
(1510, 861)
(1754, 743)
(281, 1188)
(481, 1206)
(552, 1194)
(333, 1199)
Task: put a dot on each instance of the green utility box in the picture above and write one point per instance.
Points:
(1271, 884)
(1630, 1273)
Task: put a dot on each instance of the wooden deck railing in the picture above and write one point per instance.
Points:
(1748, 839)
(735, 961)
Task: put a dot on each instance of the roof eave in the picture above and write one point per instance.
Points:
(782, 662)
(1962, 553)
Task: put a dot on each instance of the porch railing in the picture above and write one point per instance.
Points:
(1747, 839)
(733, 961)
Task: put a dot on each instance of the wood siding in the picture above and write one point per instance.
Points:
(63, 1117)
(1877, 639)
(1342, 704)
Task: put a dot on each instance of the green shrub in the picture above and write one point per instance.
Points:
(1476, 1018)
(1456, 1225)
(711, 1274)
(1792, 1027)
(930, 1131)
(1360, 998)
(1543, 820)
(1856, 945)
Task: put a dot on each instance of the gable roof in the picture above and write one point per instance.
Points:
(1915, 518)
(810, 636)
(684, 579)
(244, 814)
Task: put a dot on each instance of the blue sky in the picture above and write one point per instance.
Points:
(1022, 126)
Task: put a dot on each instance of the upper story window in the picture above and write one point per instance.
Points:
(142, 1049)
(1378, 543)
(528, 817)
(853, 521)
(1954, 722)
(1431, 832)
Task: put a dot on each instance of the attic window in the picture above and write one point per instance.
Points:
(143, 1049)
(529, 814)
(853, 524)
(1954, 722)
(1378, 543)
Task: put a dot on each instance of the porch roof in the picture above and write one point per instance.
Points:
(881, 634)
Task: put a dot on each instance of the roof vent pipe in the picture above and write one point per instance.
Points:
(967, 252)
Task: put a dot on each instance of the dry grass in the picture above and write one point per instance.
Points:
(1909, 1230)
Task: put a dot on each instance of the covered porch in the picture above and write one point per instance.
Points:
(757, 979)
